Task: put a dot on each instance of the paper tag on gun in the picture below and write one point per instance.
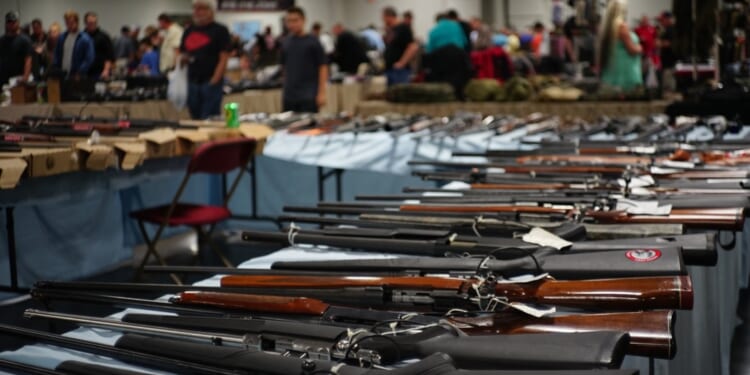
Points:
(542, 237)
(643, 207)
(637, 182)
(531, 310)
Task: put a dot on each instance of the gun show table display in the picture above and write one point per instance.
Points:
(535, 246)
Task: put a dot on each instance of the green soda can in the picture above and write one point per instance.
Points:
(232, 115)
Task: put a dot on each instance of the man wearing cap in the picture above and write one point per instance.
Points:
(74, 53)
(205, 49)
(17, 51)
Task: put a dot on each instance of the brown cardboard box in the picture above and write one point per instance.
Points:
(160, 143)
(23, 94)
(95, 157)
(54, 93)
(11, 170)
(46, 161)
(217, 134)
(259, 132)
(130, 154)
(189, 140)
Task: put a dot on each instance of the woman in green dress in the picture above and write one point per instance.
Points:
(619, 49)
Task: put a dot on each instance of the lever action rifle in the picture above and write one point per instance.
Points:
(445, 294)
(326, 343)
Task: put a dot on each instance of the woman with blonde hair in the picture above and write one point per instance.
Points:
(619, 56)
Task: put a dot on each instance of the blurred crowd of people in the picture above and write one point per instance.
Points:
(455, 50)
(80, 48)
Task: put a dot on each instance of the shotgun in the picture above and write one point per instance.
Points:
(584, 259)
(443, 294)
(327, 343)
(129, 356)
(651, 332)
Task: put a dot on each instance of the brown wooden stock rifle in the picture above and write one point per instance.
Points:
(724, 218)
(646, 293)
(651, 332)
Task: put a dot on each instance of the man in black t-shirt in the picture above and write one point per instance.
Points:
(205, 49)
(400, 48)
(350, 50)
(668, 57)
(15, 59)
(304, 64)
(104, 53)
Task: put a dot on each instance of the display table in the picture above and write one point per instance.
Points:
(589, 111)
(704, 335)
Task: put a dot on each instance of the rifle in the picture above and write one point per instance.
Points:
(329, 343)
(260, 362)
(725, 218)
(441, 294)
(490, 227)
(651, 332)
(604, 256)
(128, 356)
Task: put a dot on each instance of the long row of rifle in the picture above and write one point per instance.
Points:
(561, 260)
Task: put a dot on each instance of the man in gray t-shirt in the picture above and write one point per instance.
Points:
(305, 69)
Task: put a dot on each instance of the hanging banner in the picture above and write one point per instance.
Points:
(254, 5)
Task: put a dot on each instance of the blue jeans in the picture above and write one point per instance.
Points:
(396, 76)
(204, 100)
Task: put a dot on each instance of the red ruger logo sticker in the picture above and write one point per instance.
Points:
(643, 255)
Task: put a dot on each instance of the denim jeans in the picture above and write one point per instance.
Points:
(204, 100)
(396, 76)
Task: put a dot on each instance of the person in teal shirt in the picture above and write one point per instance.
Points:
(619, 49)
(447, 32)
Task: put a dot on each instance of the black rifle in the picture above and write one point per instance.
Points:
(328, 343)
(129, 356)
(518, 257)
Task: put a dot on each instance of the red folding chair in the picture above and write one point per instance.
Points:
(212, 158)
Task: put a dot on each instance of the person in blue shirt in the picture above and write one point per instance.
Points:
(149, 64)
(445, 33)
(74, 53)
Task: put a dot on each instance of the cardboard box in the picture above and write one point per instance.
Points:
(160, 143)
(95, 157)
(46, 161)
(189, 140)
(130, 154)
(54, 92)
(11, 170)
(259, 132)
(23, 94)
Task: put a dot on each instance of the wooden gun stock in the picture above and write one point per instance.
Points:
(607, 294)
(255, 303)
(651, 332)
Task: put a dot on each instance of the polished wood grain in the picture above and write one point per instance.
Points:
(651, 332)
(254, 303)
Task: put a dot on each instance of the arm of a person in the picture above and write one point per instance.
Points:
(88, 58)
(26, 69)
(109, 52)
(408, 55)
(630, 46)
(221, 67)
(57, 58)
